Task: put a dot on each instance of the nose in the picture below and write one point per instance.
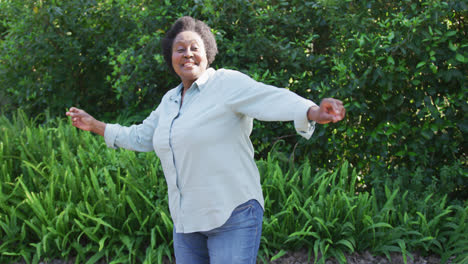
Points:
(188, 53)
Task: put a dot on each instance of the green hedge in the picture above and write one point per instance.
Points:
(399, 66)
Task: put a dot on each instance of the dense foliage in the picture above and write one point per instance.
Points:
(401, 68)
(64, 194)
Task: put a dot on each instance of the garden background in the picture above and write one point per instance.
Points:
(391, 177)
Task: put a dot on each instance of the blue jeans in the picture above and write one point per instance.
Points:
(237, 241)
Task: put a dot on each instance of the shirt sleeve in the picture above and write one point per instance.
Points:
(268, 103)
(136, 137)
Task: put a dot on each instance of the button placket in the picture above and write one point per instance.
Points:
(176, 110)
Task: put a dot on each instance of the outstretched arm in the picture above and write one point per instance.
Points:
(330, 110)
(85, 121)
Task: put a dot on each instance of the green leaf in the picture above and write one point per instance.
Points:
(451, 33)
(452, 47)
(102, 241)
(386, 96)
(279, 255)
(346, 243)
(99, 221)
(460, 58)
(427, 134)
(96, 257)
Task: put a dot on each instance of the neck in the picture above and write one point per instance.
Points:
(185, 89)
(187, 85)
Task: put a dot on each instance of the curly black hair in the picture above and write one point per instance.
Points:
(188, 23)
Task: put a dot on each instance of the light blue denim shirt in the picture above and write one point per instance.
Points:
(204, 144)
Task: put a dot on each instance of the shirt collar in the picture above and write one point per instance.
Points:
(203, 79)
(200, 83)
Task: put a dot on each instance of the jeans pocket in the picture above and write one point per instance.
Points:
(250, 210)
(241, 208)
(245, 216)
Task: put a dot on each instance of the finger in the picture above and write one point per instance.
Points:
(339, 115)
(334, 110)
(326, 118)
(77, 110)
(70, 111)
(338, 108)
(79, 113)
(327, 105)
(335, 107)
(72, 114)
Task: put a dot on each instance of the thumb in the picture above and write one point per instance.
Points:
(325, 118)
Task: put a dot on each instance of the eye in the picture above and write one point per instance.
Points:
(194, 47)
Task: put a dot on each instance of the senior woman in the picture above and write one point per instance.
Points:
(200, 131)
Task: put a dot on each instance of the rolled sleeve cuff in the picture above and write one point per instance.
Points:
(110, 134)
(303, 125)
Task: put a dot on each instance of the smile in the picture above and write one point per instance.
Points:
(189, 64)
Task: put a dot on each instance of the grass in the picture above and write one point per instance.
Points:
(64, 194)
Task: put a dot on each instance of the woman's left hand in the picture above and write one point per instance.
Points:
(330, 110)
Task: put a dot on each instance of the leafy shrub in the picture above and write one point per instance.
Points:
(65, 195)
(401, 68)
(322, 212)
(54, 53)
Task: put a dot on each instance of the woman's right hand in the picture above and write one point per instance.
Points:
(85, 121)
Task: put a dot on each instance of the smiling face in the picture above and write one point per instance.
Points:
(189, 57)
